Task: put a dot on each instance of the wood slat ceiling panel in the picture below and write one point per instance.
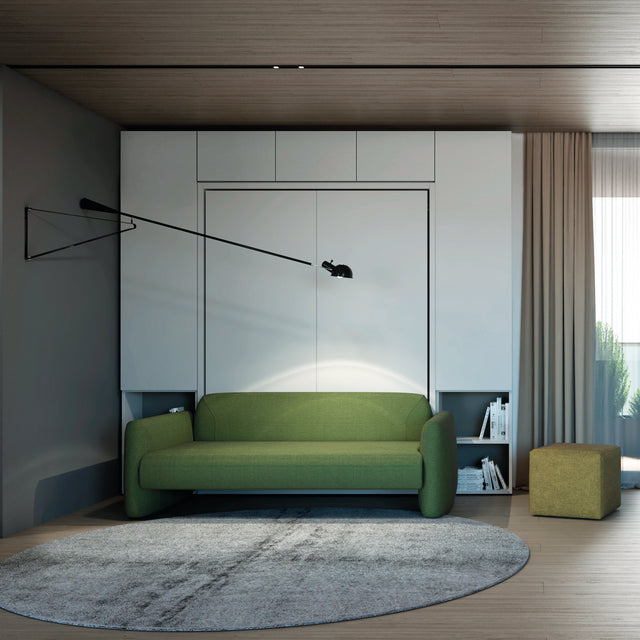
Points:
(255, 32)
(552, 35)
(517, 99)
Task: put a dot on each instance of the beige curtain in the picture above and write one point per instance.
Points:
(558, 299)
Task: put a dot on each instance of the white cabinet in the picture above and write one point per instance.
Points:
(396, 156)
(260, 310)
(236, 156)
(472, 333)
(372, 330)
(312, 329)
(316, 156)
(273, 325)
(158, 265)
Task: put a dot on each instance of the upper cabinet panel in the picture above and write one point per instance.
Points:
(315, 156)
(157, 172)
(159, 266)
(395, 156)
(472, 332)
(236, 156)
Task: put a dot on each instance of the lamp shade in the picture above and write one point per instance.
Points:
(338, 270)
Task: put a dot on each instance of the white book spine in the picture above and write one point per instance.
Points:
(495, 424)
(502, 423)
(487, 474)
(494, 475)
(484, 422)
(501, 478)
(492, 420)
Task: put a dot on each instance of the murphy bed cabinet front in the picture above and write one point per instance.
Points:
(466, 177)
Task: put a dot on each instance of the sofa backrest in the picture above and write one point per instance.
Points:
(278, 416)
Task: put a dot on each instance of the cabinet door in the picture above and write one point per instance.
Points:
(158, 265)
(260, 310)
(315, 156)
(395, 156)
(473, 290)
(236, 156)
(372, 330)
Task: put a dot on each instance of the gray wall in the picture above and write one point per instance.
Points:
(60, 314)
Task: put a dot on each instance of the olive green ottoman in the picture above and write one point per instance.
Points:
(574, 480)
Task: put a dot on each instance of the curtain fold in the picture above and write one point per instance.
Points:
(558, 298)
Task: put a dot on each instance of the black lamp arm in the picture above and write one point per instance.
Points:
(86, 203)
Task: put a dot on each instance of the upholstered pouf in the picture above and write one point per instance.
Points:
(574, 480)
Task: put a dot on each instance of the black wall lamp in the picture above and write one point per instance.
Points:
(336, 270)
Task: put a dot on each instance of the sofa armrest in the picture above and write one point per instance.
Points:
(141, 437)
(440, 465)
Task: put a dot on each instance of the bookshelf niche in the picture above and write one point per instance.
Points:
(484, 464)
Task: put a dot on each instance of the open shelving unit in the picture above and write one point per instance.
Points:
(468, 409)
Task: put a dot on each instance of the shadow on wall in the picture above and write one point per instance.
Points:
(62, 494)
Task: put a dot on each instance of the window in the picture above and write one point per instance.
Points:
(616, 228)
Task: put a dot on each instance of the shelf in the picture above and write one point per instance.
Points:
(501, 492)
(468, 409)
(466, 440)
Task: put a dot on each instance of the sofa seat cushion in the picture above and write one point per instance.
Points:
(284, 465)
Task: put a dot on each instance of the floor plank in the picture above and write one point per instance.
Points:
(582, 580)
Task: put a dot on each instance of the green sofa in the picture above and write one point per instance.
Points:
(293, 440)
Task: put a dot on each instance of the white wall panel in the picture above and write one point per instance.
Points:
(158, 266)
(473, 264)
(260, 310)
(372, 330)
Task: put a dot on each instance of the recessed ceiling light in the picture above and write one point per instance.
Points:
(300, 66)
(275, 66)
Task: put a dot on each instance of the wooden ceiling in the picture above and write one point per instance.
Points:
(524, 65)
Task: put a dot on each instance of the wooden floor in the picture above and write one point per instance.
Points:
(582, 580)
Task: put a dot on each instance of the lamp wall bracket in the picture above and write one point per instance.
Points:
(28, 211)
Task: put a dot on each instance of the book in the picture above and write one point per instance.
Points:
(487, 474)
(492, 476)
(492, 420)
(484, 422)
(498, 416)
(507, 425)
(470, 479)
(502, 421)
(495, 484)
(496, 413)
(501, 478)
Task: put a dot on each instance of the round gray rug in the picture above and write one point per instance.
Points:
(257, 569)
